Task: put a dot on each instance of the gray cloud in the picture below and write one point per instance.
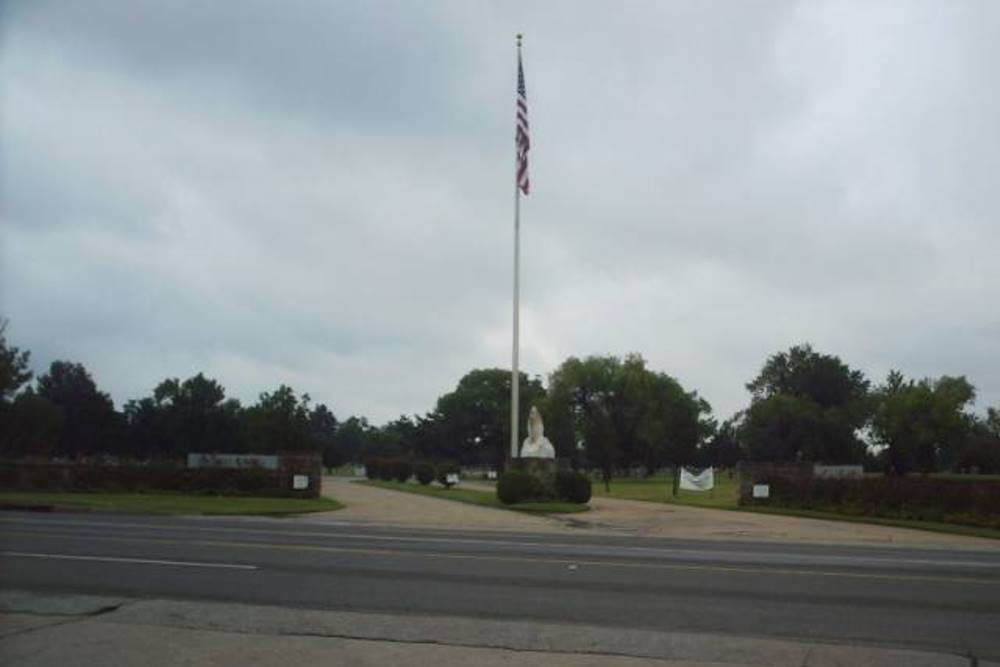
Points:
(320, 194)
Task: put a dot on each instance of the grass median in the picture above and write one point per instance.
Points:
(476, 497)
(166, 503)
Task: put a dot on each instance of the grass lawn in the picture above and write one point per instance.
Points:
(476, 497)
(933, 526)
(658, 489)
(169, 503)
(725, 495)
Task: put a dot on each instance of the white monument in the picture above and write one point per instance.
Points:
(536, 445)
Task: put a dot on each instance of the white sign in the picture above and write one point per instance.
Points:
(703, 481)
(761, 491)
(451, 478)
(491, 474)
(300, 482)
(268, 462)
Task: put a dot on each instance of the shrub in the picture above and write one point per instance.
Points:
(371, 468)
(516, 486)
(425, 473)
(974, 502)
(385, 470)
(446, 469)
(572, 486)
(401, 470)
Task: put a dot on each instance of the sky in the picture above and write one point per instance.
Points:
(321, 194)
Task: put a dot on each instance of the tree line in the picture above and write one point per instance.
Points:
(601, 412)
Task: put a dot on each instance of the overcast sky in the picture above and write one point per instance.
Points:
(321, 193)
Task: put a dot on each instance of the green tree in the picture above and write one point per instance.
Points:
(184, 417)
(806, 406)
(352, 437)
(14, 371)
(90, 424)
(32, 426)
(279, 422)
(922, 425)
(625, 414)
(473, 421)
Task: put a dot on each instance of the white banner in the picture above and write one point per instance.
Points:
(703, 481)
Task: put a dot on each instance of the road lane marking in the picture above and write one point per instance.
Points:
(703, 553)
(113, 559)
(536, 560)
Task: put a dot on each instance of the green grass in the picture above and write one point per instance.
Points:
(168, 503)
(933, 526)
(476, 497)
(725, 495)
(658, 489)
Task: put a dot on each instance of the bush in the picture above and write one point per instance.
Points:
(446, 469)
(371, 468)
(425, 473)
(572, 486)
(385, 470)
(401, 470)
(973, 502)
(516, 486)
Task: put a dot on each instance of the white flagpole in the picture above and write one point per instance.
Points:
(515, 375)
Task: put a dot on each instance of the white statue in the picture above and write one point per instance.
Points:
(536, 445)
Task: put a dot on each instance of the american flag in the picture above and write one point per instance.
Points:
(521, 138)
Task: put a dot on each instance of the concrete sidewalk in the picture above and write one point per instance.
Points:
(85, 630)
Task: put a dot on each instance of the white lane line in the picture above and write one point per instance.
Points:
(141, 561)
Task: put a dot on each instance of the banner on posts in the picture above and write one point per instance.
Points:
(702, 481)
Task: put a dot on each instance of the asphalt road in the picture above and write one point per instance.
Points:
(944, 600)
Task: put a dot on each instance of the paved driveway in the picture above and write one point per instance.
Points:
(614, 516)
(370, 504)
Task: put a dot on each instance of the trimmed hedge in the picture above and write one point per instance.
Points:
(141, 478)
(969, 502)
(424, 472)
(371, 468)
(573, 486)
(516, 486)
(401, 470)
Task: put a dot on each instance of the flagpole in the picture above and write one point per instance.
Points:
(515, 374)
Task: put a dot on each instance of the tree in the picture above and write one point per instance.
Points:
(352, 436)
(323, 428)
(31, 427)
(184, 417)
(279, 421)
(14, 372)
(473, 421)
(625, 414)
(806, 406)
(724, 449)
(90, 424)
(922, 425)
